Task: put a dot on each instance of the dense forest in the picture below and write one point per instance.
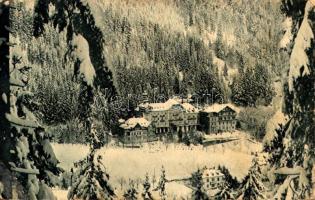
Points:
(169, 48)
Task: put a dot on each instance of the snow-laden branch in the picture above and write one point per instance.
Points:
(25, 171)
(299, 61)
(290, 171)
(81, 52)
(21, 122)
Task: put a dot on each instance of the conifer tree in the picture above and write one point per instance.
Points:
(85, 41)
(146, 187)
(230, 181)
(225, 193)
(292, 148)
(131, 193)
(93, 181)
(161, 184)
(25, 146)
(252, 187)
(197, 182)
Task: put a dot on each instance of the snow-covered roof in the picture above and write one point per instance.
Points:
(209, 173)
(218, 107)
(159, 106)
(167, 105)
(189, 108)
(132, 122)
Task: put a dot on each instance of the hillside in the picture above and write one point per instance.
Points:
(211, 49)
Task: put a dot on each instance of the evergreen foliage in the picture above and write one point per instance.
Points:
(292, 147)
(144, 53)
(197, 182)
(79, 23)
(131, 193)
(253, 87)
(146, 187)
(225, 193)
(25, 146)
(230, 181)
(252, 187)
(161, 185)
(92, 181)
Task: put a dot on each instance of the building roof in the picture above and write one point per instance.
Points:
(189, 108)
(168, 105)
(218, 107)
(209, 173)
(132, 122)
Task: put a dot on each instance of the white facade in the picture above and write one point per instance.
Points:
(212, 179)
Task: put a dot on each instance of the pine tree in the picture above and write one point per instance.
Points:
(93, 181)
(197, 182)
(225, 193)
(253, 87)
(292, 149)
(8, 177)
(219, 46)
(161, 184)
(146, 186)
(25, 146)
(252, 187)
(131, 193)
(231, 181)
(83, 34)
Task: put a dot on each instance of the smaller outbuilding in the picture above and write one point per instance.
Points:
(212, 178)
(135, 129)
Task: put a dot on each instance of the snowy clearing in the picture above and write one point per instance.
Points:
(178, 160)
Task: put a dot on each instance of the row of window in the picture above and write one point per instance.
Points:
(134, 133)
(214, 179)
(213, 185)
(223, 123)
(227, 118)
(226, 113)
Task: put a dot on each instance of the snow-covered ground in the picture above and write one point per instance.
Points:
(227, 135)
(178, 160)
(67, 154)
(60, 194)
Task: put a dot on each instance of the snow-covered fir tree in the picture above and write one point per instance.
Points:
(252, 187)
(225, 193)
(85, 45)
(161, 184)
(146, 194)
(230, 181)
(131, 193)
(92, 180)
(24, 145)
(292, 146)
(198, 192)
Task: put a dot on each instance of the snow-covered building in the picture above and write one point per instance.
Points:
(212, 178)
(219, 118)
(170, 116)
(135, 129)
